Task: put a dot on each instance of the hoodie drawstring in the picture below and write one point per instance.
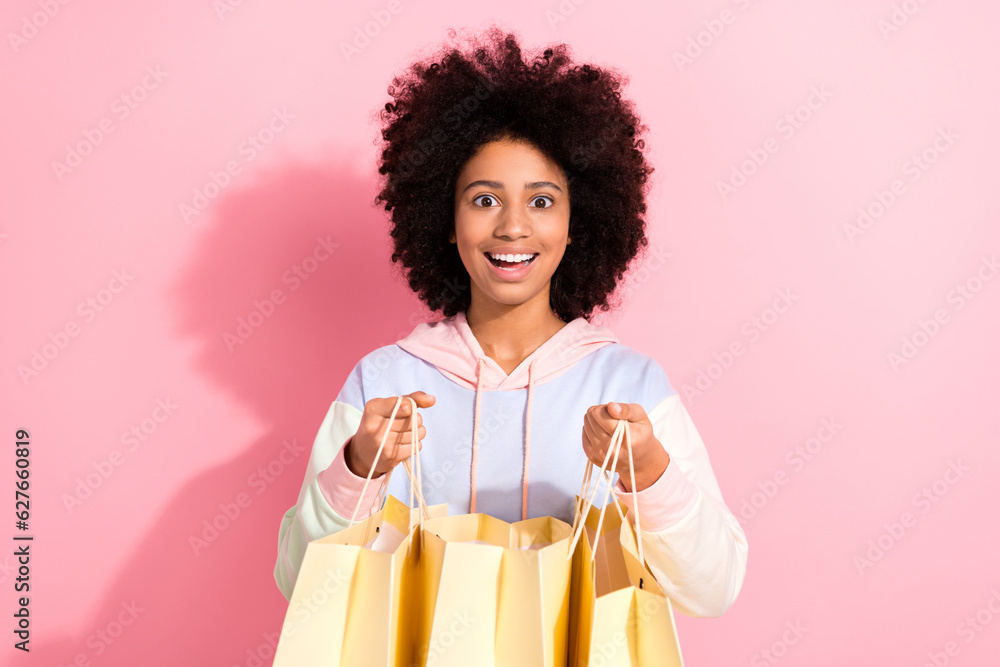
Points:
(475, 432)
(527, 439)
(527, 444)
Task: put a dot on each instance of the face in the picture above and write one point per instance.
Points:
(511, 223)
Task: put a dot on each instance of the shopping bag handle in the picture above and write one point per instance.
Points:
(412, 466)
(621, 436)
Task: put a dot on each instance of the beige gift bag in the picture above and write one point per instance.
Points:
(358, 587)
(495, 593)
(620, 615)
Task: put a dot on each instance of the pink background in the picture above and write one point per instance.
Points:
(715, 264)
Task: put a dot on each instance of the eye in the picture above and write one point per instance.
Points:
(542, 198)
(488, 198)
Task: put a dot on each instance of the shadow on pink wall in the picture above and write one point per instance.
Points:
(220, 605)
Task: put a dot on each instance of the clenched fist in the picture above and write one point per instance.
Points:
(361, 448)
(649, 456)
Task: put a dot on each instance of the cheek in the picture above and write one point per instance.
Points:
(556, 260)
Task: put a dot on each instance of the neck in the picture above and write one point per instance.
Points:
(508, 334)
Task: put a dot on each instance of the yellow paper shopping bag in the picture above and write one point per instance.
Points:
(620, 615)
(351, 601)
(494, 593)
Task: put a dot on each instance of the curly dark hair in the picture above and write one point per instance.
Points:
(446, 107)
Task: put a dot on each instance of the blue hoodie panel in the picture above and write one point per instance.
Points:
(614, 372)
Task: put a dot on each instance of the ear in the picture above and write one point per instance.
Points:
(451, 239)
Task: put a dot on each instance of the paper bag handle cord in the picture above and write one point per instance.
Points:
(621, 435)
(582, 506)
(619, 427)
(635, 501)
(415, 484)
(413, 468)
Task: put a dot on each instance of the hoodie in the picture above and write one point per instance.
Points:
(511, 446)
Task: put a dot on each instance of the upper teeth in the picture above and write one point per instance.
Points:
(510, 258)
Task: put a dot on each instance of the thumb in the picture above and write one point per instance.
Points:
(422, 399)
(628, 411)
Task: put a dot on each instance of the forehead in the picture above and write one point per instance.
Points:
(512, 156)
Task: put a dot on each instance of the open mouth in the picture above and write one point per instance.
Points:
(510, 262)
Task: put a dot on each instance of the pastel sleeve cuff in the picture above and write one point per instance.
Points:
(342, 489)
(661, 505)
(694, 546)
(312, 516)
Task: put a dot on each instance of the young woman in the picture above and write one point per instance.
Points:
(517, 193)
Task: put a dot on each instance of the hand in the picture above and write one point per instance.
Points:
(648, 455)
(360, 450)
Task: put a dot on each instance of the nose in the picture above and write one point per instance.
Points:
(512, 224)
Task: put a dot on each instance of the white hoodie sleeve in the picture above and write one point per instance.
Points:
(330, 491)
(692, 542)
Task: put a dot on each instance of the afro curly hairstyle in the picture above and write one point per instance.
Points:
(446, 107)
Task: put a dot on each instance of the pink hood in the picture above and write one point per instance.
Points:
(451, 346)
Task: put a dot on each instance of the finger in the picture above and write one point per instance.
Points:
(402, 437)
(403, 423)
(403, 452)
(382, 407)
(592, 437)
(422, 399)
(632, 412)
(601, 420)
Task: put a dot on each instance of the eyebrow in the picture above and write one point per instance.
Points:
(533, 185)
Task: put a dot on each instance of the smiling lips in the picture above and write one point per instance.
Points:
(510, 261)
